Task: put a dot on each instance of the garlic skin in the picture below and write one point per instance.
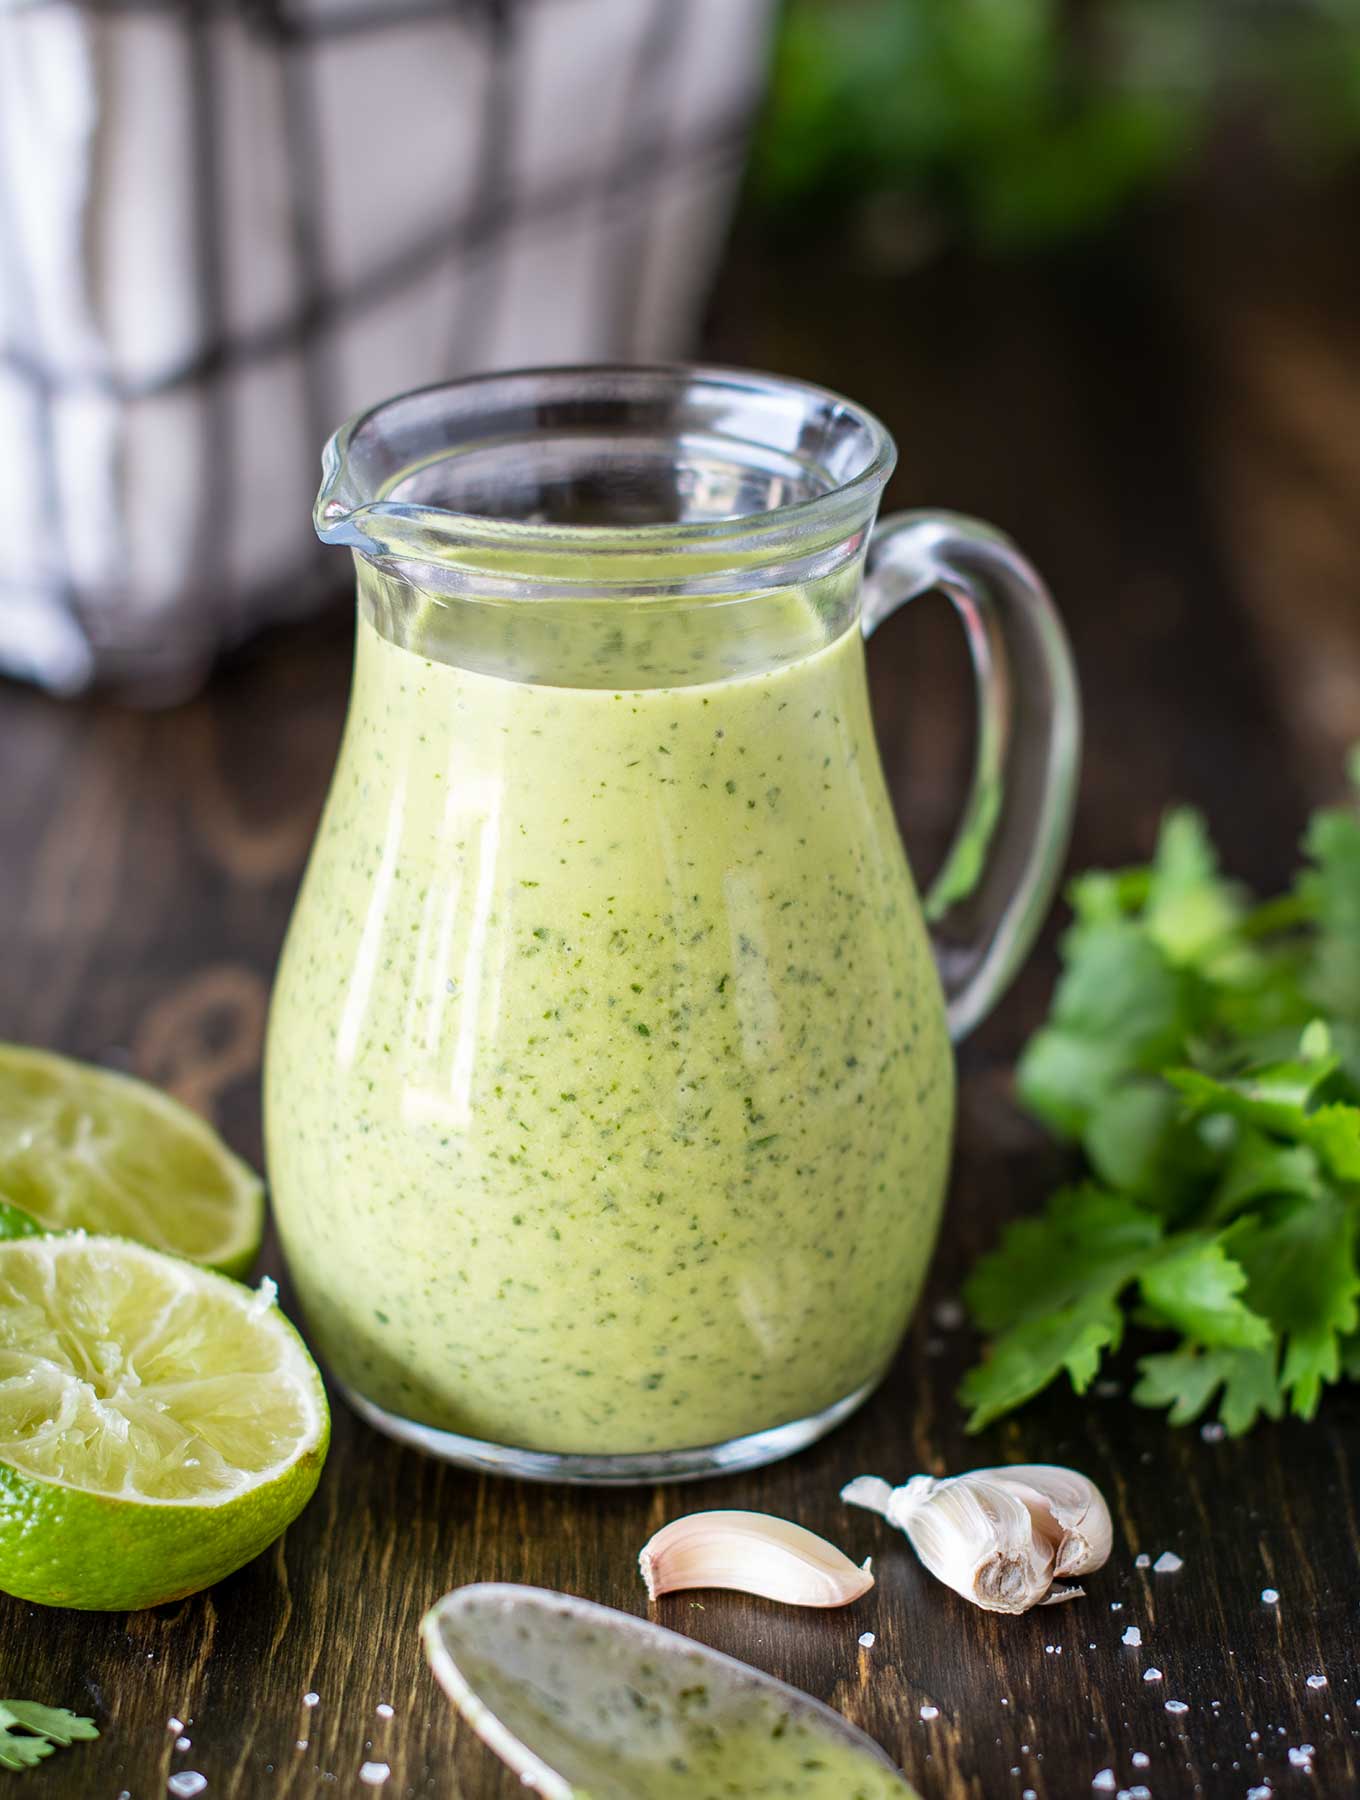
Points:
(750, 1553)
(1000, 1537)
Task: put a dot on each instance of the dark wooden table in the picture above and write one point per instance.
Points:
(1170, 428)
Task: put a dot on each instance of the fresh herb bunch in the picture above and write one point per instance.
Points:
(1204, 1052)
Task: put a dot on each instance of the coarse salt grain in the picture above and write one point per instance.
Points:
(302, 1743)
(930, 1712)
(1116, 1606)
(1259, 1793)
(183, 1743)
(1270, 1596)
(186, 1784)
(1213, 1432)
(1167, 1563)
(1104, 1782)
(1177, 1706)
(1301, 1756)
(374, 1774)
(1142, 1562)
(175, 1725)
(1317, 1681)
(384, 1710)
(311, 1699)
(1133, 1637)
(866, 1640)
(1134, 1793)
(1140, 1759)
(1152, 1674)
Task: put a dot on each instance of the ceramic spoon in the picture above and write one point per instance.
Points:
(585, 1703)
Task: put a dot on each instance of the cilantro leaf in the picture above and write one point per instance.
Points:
(1051, 1291)
(1299, 1256)
(1331, 892)
(1190, 909)
(1137, 1139)
(1029, 1356)
(1119, 1009)
(1277, 1100)
(1088, 1239)
(29, 1732)
(1197, 1289)
(1187, 1379)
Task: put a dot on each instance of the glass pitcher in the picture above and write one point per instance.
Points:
(609, 1092)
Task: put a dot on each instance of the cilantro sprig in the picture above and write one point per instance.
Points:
(29, 1732)
(1203, 1051)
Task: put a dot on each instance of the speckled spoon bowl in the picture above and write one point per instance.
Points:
(585, 1703)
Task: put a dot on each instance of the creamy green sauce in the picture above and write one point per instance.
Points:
(677, 1753)
(620, 1718)
(608, 1093)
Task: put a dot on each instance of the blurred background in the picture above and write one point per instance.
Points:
(1094, 261)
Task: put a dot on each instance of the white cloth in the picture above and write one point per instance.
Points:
(227, 227)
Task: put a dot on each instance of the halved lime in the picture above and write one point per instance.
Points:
(159, 1424)
(84, 1149)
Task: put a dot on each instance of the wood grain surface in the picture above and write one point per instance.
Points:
(1180, 458)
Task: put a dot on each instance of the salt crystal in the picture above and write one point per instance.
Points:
(1213, 1432)
(930, 1712)
(1028, 1794)
(183, 1743)
(1317, 1681)
(302, 1743)
(1167, 1563)
(1133, 1637)
(1135, 1793)
(1048, 1649)
(1269, 1595)
(1105, 1782)
(1140, 1759)
(186, 1784)
(1302, 1757)
(1141, 1562)
(1259, 1793)
(949, 1315)
(174, 1725)
(1152, 1674)
(385, 1711)
(866, 1640)
(1177, 1706)
(311, 1699)
(374, 1774)
(1116, 1606)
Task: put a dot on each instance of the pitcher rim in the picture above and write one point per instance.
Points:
(343, 511)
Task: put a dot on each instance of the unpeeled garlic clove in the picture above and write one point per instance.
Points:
(752, 1553)
(1000, 1537)
(1069, 1511)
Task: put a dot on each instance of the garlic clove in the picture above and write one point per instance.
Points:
(751, 1553)
(1069, 1510)
(1000, 1537)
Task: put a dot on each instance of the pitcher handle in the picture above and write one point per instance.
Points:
(986, 904)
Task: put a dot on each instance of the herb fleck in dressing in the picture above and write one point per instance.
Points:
(608, 1092)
